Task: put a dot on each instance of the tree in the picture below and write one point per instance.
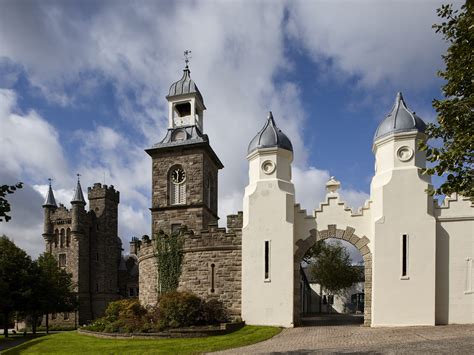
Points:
(50, 291)
(331, 267)
(455, 125)
(15, 268)
(4, 204)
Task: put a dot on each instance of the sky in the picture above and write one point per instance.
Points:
(83, 86)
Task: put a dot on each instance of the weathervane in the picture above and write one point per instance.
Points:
(50, 180)
(187, 56)
(78, 175)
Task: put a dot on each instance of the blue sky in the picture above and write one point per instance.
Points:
(83, 86)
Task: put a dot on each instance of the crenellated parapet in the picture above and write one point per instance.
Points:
(454, 207)
(99, 191)
(211, 266)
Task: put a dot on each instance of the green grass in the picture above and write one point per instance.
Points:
(74, 343)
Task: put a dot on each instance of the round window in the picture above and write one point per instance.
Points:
(268, 167)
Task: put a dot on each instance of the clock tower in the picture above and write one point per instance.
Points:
(184, 166)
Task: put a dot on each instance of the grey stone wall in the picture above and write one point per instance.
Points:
(213, 253)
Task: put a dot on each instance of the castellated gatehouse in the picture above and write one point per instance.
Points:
(418, 254)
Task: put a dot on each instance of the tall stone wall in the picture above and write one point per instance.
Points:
(212, 265)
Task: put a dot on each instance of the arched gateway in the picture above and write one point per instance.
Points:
(348, 235)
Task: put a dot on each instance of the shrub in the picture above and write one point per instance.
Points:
(213, 312)
(179, 309)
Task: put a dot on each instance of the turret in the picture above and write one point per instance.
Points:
(77, 208)
(268, 227)
(404, 226)
(49, 207)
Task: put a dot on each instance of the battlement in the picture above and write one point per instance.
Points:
(99, 191)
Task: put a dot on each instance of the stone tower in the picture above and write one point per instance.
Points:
(86, 244)
(184, 166)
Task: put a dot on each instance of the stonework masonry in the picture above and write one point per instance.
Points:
(211, 265)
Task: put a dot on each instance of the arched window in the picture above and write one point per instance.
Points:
(62, 239)
(177, 185)
(56, 238)
(68, 237)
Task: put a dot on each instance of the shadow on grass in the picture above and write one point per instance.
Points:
(24, 346)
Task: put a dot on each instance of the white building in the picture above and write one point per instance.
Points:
(418, 255)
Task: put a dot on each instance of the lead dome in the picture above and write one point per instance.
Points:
(400, 119)
(270, 137)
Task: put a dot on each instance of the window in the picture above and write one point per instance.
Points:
(62, 239)
(68, 237)
(177, 183)
(404, 256)
(62, 260)
(183, 109)
(56, 238)
(66, 315)
(213, 266)
(267, 260)
(469, 274)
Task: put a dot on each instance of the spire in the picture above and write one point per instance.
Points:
(78, 196)
(50, 200)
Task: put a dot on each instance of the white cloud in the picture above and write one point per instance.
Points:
(378, 42)
(68, 51)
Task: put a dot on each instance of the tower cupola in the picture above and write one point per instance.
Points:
(400, 119)
(270, 136)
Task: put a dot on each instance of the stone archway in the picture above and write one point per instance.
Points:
(361, 243)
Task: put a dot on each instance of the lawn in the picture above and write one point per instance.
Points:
(74, 343)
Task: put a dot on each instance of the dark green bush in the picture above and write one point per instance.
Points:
(213, 312)
(179, 309)
(174, 310)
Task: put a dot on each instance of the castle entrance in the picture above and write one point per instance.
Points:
(313, 305)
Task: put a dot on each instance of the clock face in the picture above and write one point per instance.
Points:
(178, 176)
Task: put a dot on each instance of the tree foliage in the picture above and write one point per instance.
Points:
(169, 258)
(4, 204)
(32, 288)
(455, 127)
(15, 271)
(331, 267)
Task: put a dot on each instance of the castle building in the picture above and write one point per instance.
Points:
(86, 244)
(418, 255)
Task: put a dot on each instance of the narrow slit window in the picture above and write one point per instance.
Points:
(469, 276)
(213, 266)
(267, 260)
(404, 255)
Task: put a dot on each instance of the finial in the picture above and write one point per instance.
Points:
(50, 180)
(332, 185)
(187, 56)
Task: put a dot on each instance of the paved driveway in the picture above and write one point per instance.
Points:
(353, 339)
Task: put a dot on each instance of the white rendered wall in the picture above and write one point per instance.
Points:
(455, 262)
(401, 206)
(268, 216)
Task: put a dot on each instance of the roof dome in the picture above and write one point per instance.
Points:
(400, 119)
(270, 136)
(184, 86)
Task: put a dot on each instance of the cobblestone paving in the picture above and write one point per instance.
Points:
(452, 339)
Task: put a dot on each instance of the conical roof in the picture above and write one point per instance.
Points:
(269, 137)
(50, 200)
(400, 119)
(78, 196)
(184, 86)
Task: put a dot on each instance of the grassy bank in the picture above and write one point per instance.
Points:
(74, 343)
